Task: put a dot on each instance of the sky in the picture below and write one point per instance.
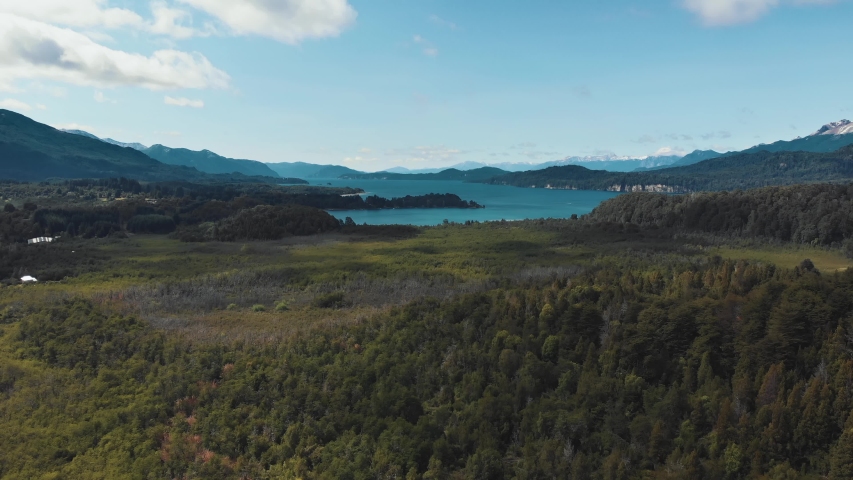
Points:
(374, 84)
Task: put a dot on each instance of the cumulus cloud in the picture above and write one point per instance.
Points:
(76, 13)
(93, 14)
(183, 102)
(732, 12)
(174, 22)
(34, 50)
(17, 105)
(288, 21)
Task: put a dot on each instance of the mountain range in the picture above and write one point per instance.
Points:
(310, 170)
(32, 151)
(203, 161)
(730, 172)
(210, 162)
(828, 138)
(473, 176)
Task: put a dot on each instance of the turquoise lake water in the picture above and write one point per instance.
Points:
(502, 202)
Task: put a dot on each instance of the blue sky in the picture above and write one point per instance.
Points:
(423, 83)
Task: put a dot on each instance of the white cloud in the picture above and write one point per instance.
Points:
(12, 104)
(442, 22)
(732, 12)
(101, 98)
(72, 13)
(183, 102)
(35, 50)
(40, 106)
(428, 48)
(288, 21)
(174, 22)
(669, 151)
(91, 14)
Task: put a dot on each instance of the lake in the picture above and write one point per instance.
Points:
(502, 202)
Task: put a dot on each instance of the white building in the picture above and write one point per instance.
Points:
(33, 241)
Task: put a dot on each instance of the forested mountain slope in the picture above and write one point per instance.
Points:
(207, 161)
(33, 151)
(750, 170)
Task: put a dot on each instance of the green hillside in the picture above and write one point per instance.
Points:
(208, 162)
(747, 170)
(33, 151)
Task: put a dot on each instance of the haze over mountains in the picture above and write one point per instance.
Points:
(828, 138)
(33, 151)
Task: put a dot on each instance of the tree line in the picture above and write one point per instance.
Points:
(820, 214)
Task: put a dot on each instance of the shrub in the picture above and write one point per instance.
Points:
(259, 308)
(231, 306)
(330, 300)
(282, 306)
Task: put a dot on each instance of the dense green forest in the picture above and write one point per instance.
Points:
(804, 214)
(651, 339)
(740, 171)
(652, 369)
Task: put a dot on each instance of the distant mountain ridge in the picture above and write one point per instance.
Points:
(310, 170)
(207, 161)
(135, 146)
(598, 162)
(203, 161)
(474, 176)
(730, 172)
(32, 151)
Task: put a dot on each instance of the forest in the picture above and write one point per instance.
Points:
(105, 207)
(819, 214)
(647, 340)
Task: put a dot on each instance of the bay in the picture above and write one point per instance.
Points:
(501, 202)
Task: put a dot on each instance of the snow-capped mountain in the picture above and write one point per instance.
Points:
(841, 127)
